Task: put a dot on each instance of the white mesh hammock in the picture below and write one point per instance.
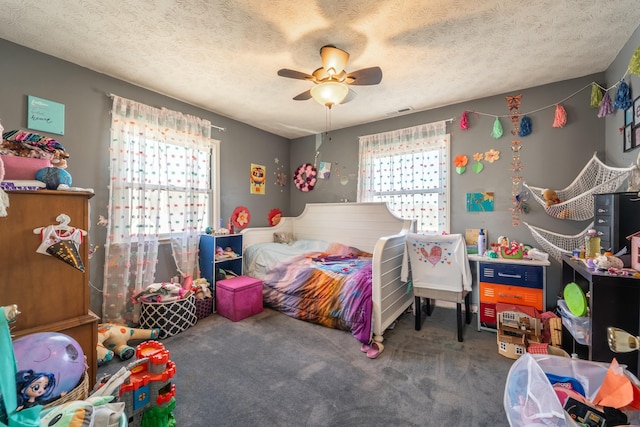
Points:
(577, 198)
(556, 244)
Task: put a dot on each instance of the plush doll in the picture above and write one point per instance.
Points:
(550, 197)
(112, 339)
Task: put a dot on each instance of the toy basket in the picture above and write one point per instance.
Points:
(170, 317)
(80, 392)
(204, 307)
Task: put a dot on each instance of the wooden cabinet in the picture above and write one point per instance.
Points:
(614, 301)
(511, 281)
(207, 259)
(51, 295)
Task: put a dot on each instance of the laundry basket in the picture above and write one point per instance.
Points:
(170, 317)
(530, 399)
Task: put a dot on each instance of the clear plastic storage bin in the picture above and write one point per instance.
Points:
(578, 326)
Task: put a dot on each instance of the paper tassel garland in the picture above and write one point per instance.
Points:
(561, 117)
(623, 97)
(464, 121)
(525, 126)
(497, 129)
(606, 108)
(634, 63)
(596, 96)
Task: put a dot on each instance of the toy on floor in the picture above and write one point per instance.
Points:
(148, 393)
(50, 364)
(113, 338)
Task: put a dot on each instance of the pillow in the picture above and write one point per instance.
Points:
(283, 237)
(16, 167)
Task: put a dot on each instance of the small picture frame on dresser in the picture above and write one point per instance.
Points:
(627, 138)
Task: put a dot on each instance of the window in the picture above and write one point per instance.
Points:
(408, 169)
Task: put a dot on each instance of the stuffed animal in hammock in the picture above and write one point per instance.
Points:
(551, 197)
(113, 338)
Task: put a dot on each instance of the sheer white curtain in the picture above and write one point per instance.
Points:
(409, 169)
(159, 188)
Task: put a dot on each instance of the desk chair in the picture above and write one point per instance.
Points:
(439, 269)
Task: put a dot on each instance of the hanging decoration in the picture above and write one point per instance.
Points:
(464, 121)
(525, 126)
(596, 95)
(240, 217)
(281, 177)
(623, 97)
(460, 162)
(606, 108)
(513, 104)
(274, 217)
(497, 129)
(634, 63)
(305, 177)
(560, 118)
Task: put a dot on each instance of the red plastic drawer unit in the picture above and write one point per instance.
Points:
(239, 297)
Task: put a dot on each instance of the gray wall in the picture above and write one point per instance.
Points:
(551, 157)
(26, 72)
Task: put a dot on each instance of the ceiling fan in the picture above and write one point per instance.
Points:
(331, 80)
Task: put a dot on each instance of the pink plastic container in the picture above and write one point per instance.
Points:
(239, 297)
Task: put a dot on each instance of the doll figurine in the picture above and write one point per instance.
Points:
(34, 388)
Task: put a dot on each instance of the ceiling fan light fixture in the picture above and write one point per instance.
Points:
(329, 93)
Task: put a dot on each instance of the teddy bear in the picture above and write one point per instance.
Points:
(113, 338)
(550, 197)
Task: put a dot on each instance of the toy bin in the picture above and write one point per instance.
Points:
(239, 297)
(170, 317)
(204, 307)
(576, 325)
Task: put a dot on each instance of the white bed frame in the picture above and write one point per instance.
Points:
(370, 227)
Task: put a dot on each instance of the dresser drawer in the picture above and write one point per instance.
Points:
(528, 276)
(493, 293)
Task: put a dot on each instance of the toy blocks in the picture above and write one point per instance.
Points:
(148, 394)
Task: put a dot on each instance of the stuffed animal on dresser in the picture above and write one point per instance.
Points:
(113, 339)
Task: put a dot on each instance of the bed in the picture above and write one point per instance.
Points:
(364, 239)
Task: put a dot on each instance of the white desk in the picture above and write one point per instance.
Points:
(513, 281)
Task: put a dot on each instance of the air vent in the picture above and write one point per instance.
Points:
(400, 111)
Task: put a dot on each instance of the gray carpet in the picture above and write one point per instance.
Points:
(271, 370)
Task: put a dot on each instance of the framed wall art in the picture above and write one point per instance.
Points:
(636, 112)
(628, 141)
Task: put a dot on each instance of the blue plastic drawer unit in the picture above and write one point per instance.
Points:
(529, 276)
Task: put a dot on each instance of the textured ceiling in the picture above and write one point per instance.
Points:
(223, 55)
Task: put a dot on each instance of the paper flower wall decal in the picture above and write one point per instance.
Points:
(460, 162)
(241, 217)
(477, 166)
(275, 215)
(492, 155)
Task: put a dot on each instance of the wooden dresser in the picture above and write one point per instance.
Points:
(51, 295)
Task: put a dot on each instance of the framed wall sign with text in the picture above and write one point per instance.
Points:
(45, 115)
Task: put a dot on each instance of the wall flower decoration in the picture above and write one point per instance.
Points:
(274, 217)
(492, 155)
(460, 162)
(477, 166)
(240, 217)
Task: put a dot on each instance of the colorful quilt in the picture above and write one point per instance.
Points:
(331, 288)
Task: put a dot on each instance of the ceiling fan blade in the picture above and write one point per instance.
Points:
(293, 74)
(350, 96)
(334, 60)
(303, 96)
(366, 76)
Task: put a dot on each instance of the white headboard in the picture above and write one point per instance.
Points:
(355, 224)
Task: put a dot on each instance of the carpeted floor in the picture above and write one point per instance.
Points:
(272, 370)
